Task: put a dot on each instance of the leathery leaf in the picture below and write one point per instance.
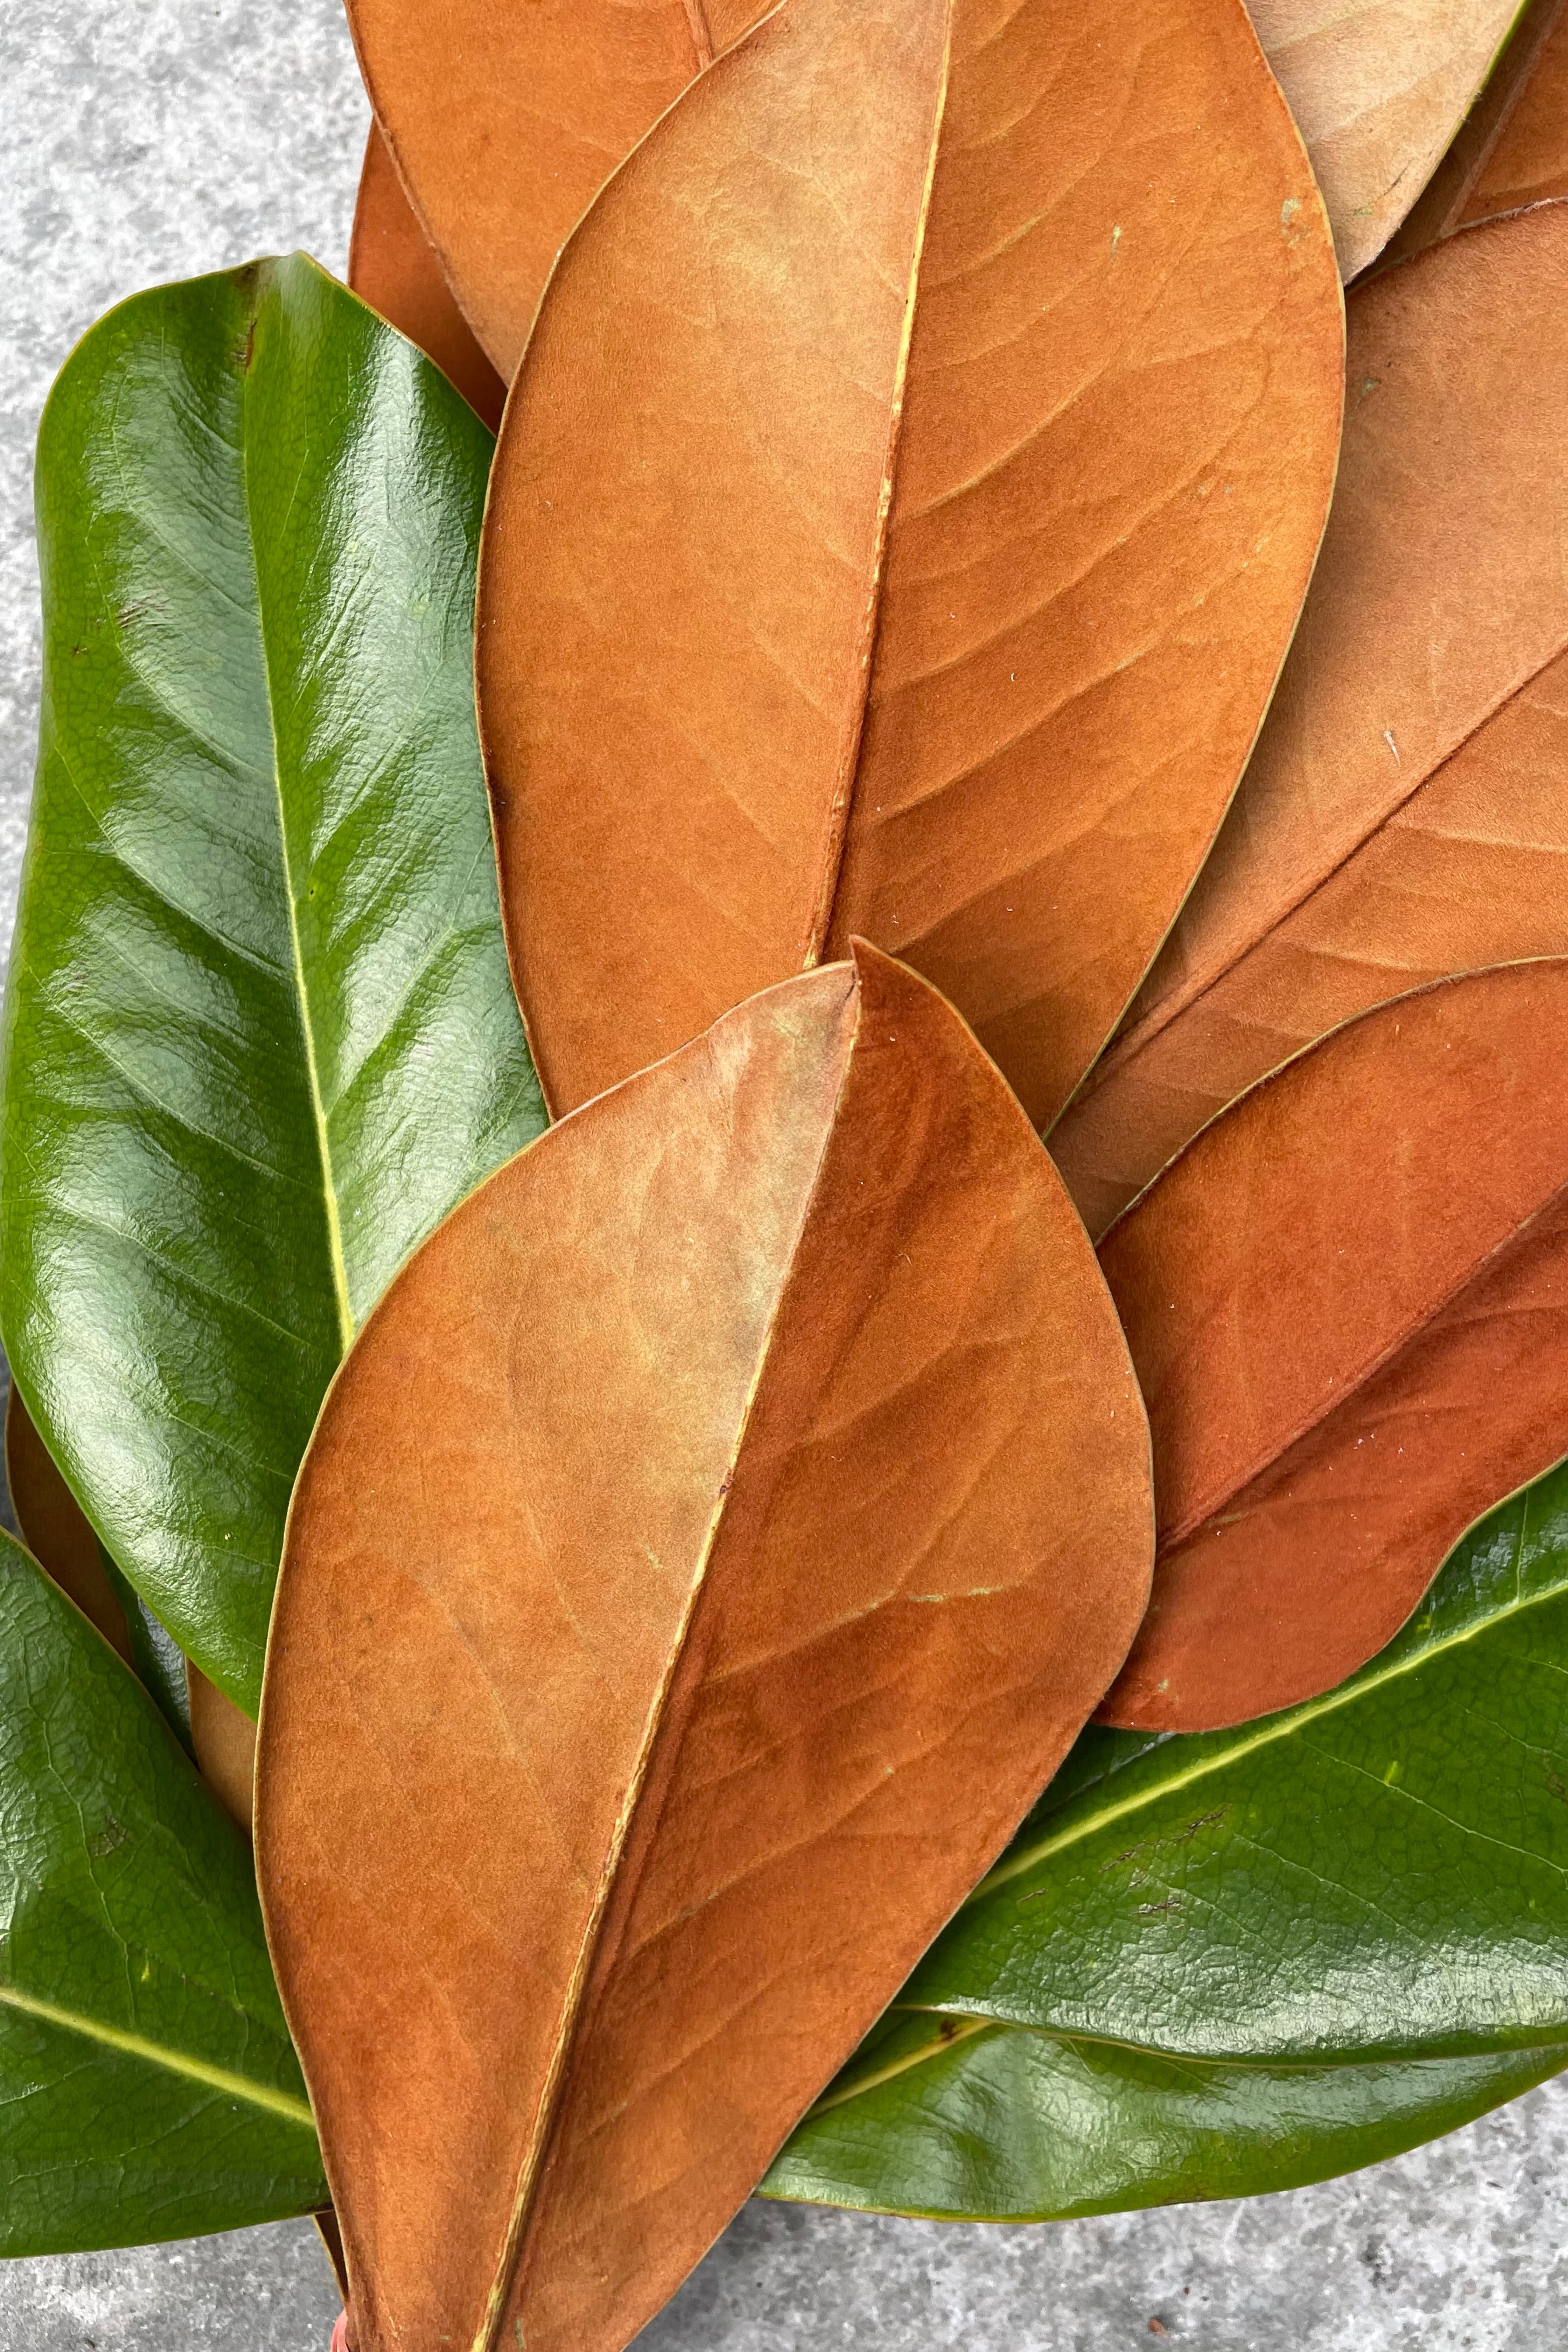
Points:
(1377, 1874)
(259, 1034)
(713, 1543)
(148, 2087)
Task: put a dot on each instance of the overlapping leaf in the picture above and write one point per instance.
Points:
(148, 2089)
(55, 1530)
(1527, 161)
(1405, 814)
(899, 521)
(1379, 87)
(1347, 1302)
(713, 1541)
(259, 1034)
(505, 122)
(1375, 1874)
(393, 266)
(960, 2121)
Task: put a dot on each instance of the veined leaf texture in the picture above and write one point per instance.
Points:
(148, 2089)
(899, 521)
(393, 266)
(1347, 1302)
(259, 1034)
(1374, 1875)
(709, 1549)
(1379, 87)
(1405, 814)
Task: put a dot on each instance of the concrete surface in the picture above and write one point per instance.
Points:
(151, 139)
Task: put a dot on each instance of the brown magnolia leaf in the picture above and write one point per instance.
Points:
(223, 1737)
(900, 519)
(1379, 87)
(708, 1549)
(55, 1527)
(1495, 164)
(1405, 814)
(393, 266)
(1347, 1302)
(1529, 159)
(505, 122)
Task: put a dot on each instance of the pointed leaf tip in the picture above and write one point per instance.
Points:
(709, 1548)
(1347, 1301)
(899, 523)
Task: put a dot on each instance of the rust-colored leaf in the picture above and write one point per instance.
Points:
(709, 1547)
(900, 519)
(55, 1528)
(1527, 161)
(505, 122)
(1495, 163)
(1379, 87)
(1405, 814)
(223, 1737)
(1347, 1302)
(393, 266)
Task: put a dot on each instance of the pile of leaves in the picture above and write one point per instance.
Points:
(976, 642)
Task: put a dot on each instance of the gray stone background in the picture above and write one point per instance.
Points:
(152, 138)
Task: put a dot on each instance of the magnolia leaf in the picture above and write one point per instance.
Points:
(505, 122)
(965, 2121)
(56, 1531)
(223, 1738)
(1527, 161)
(1498, 163)
(1376, 1874)
(1379, 87)
(260, 1031)
(393, 266)
(1406, 814)
(148, 2089)
(707, 1550)
(1347, 1302)
(899, 521)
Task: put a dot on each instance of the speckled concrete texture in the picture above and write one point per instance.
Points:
(152, 138)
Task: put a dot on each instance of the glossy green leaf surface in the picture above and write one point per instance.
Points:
(147, 2086)
(1000, 2124)
(1381, 1871)
(261, 1033)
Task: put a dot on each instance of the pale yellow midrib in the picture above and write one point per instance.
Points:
(1281, 1727)
(172, 2062)
(318, 1111)
(486, 2339)
(847, 783)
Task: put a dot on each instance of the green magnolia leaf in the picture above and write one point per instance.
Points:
(1381, 1872)
(147, 2086)
(261, 1033)
(969, 2122)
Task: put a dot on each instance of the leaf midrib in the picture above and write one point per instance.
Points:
(537, 2153)
(152, 2053)
(345, 1316)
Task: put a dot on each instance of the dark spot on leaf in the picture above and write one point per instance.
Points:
(112, 1835)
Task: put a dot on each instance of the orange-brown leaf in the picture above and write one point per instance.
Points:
(900, 519)
(1405, 814)
(1527, 161)
(393, 266)
(1347, 1302)
(506, 120)
(709, 1547)
(1379, 87)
